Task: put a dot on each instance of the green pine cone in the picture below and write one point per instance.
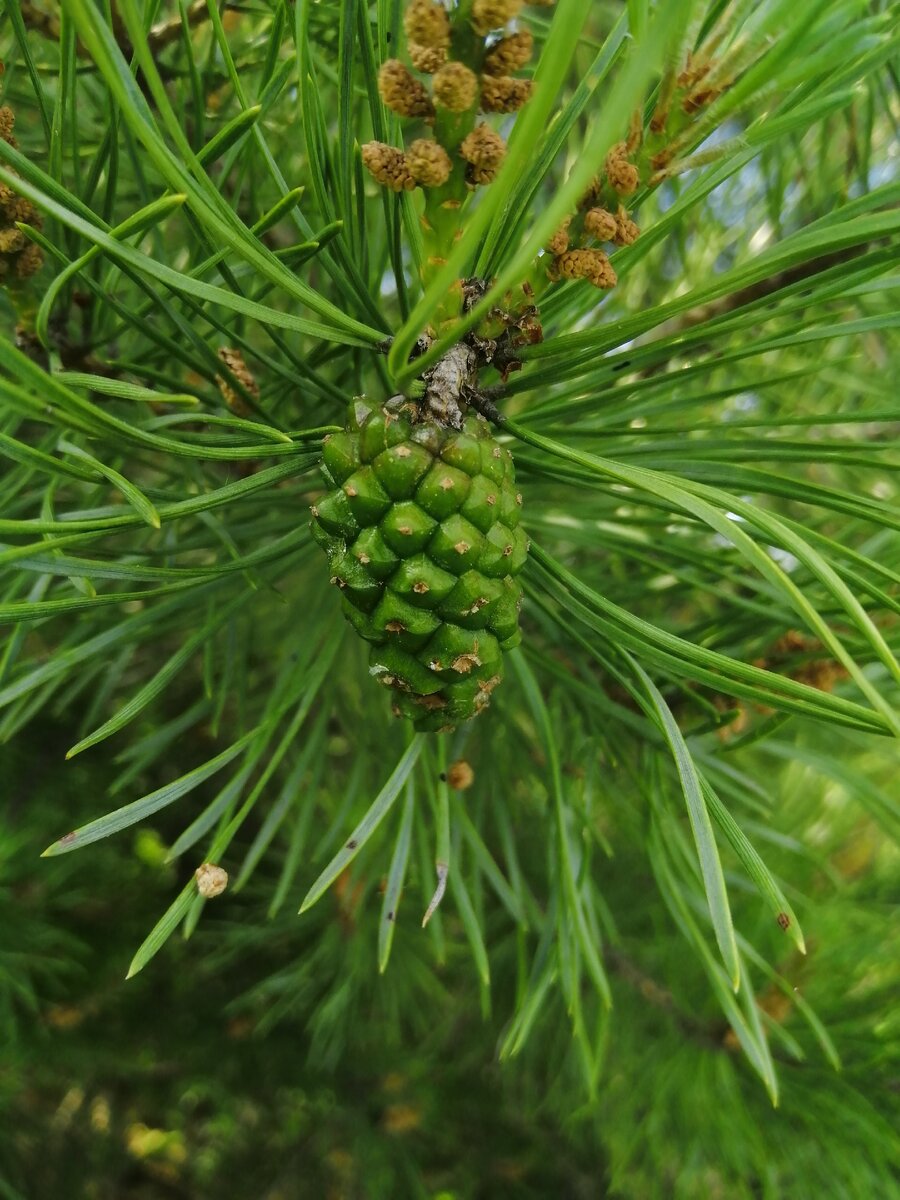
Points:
(421, 529)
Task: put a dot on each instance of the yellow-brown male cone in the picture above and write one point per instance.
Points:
(600, 224)
(426, 23)
(493, 14)
(510, 54)
(592, 265)
(426, 59)
(19, 257)
(455, 87)
(428, 162)
(622, 175)
(421, 528)
(484, 150)
(503, 94)
(388, 166)
(402, 92)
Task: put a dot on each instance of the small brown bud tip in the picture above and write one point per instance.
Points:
(622, 175)
(426, 23)
(388, 166)
(427, 59)
(510, 54)
(700, 99)
(401, 92)
(504, 94)
(660, 118)
(211, 880)
(626, 230)
(694, 70)
(592, 265)
(493, 14)
(600, 224)
(460, 775)
(428, 162)
(455, 87)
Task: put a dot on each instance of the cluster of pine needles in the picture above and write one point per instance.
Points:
(661, 855)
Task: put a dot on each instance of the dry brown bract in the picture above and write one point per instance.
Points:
(234, 361)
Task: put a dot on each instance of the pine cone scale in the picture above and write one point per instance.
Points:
(421, 528)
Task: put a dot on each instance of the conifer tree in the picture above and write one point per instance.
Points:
(566, 332)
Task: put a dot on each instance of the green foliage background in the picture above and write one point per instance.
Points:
(696, 738)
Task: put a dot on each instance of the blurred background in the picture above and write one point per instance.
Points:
(270, 1061)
